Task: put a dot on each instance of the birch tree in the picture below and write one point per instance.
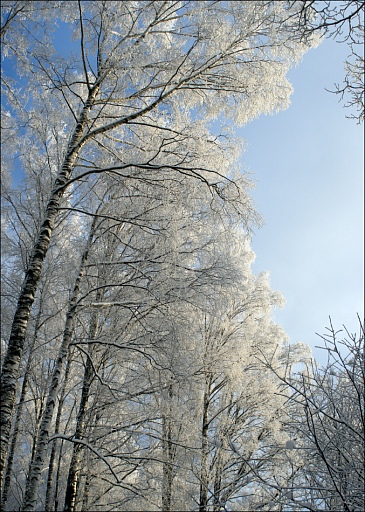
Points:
(135, 65)
(238, 418)
(21, 212)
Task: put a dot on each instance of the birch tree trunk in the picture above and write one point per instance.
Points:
(168, 449)
(204, 476)
(10, 370)
(37, 466)
(85, 498)
(19, 410)
(52, 459)
(75, 464)
(218, 483)
(167, 475)
(38, 419)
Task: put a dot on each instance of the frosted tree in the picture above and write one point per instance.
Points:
(239, 418)
(148, 255)
(326, 426)
(208, 429)
(134, 65)
(21, 211)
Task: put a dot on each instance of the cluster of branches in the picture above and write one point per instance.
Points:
(344, 22)
(326, 423)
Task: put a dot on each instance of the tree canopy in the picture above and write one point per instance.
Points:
(142, 369)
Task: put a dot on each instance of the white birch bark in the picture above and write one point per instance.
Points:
(169, 453)
(19, 410)
(76, 459)
(38, 464)
(49, 491)
(204, 473)
(10, 370)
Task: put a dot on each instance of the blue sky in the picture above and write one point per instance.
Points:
(308, 165)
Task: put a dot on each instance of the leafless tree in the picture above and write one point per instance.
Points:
(342, 21)
(326, 422)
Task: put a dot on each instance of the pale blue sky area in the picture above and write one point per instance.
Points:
(308, 165)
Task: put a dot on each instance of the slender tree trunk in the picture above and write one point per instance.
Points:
(75, 465)
(85, 498)
(58, 477)
(38, 420)
(169, 457)
(88, 475)
(34, 477)
(204, 477)
(74, 474)
(49, 495)
(57, 483)
(10, 370)
(19, 411)
(167, 476)
(218, 483)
